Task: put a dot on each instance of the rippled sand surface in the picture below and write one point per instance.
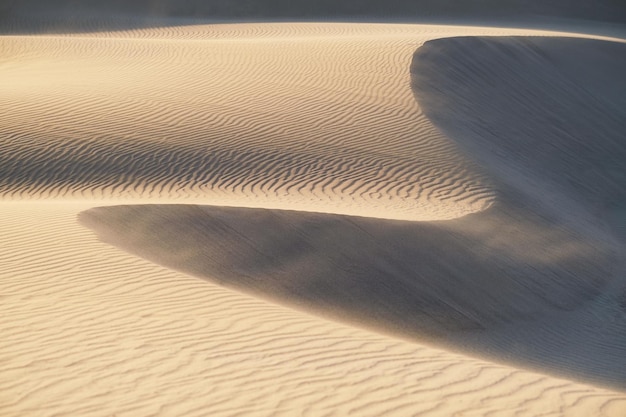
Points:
(387, 219)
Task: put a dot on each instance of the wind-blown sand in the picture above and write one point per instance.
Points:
(459, 201)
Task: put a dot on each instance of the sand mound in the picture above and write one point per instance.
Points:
(280, 122)
(505, 283)
(91, 330)
(529, 260)
(318, 118)
(546, 116)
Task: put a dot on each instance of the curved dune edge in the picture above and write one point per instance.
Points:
(471, 284)
(340, 135)
(91, 330)
(313, 122)
(522, 278)
(544, 116)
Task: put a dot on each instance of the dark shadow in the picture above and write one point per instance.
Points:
(545, 116)
(538, 280)
(506, 284)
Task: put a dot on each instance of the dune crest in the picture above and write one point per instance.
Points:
(91, 330)
(288, 123)
(167, 120)
(545, 116)
(537, 272)
(467, 284)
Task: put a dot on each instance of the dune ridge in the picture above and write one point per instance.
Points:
(154, 117)
(552, 128)
(459, 283)
(111, 333)
(305, 137)
(468, 282)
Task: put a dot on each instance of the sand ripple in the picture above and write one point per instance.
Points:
(319, 118)
(316, 123)
(90, 330)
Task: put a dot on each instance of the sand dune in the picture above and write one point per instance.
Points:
(505, 284)
(343, 135)
(552, 128)
(90, 330)
(349, 170)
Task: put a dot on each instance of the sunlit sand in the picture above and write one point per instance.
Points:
(312, 219)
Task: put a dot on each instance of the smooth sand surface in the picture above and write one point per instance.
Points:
(452, 264)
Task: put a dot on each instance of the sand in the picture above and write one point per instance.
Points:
(387, 219)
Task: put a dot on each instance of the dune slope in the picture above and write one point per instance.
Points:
(545, 262)
(91, 330)
(270, 120)
(181, 143)
(540, 258)
(545, 115)
(501, 284)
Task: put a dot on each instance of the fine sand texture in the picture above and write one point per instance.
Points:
(387, 219)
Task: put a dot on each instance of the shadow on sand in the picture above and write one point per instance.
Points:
(537, 280)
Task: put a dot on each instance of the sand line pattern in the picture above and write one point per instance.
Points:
(313, 117)
(469, 282)
(314, 127)
(92, 330)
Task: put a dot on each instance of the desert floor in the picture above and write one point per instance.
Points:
(312, 219)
